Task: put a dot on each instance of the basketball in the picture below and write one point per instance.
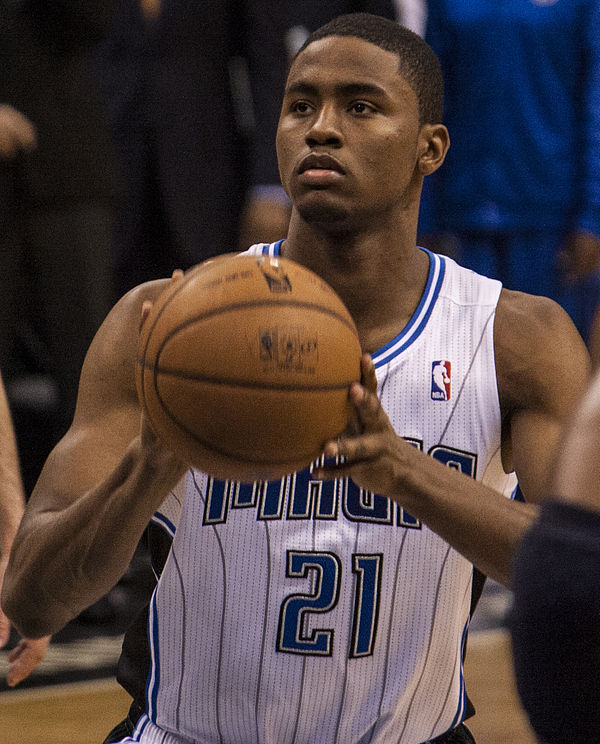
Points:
(244, 366)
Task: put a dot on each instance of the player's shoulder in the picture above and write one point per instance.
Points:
(539, 353)
(125, 317)
(113, 351)
(521, 313)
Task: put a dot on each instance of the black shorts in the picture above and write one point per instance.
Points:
(458, 735)
(126, 727)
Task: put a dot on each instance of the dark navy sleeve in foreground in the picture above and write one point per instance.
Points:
(555, 624)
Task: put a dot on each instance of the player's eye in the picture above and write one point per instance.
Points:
(300, 107)
(361, 107)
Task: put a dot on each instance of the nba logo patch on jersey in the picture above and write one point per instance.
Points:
(441, 380)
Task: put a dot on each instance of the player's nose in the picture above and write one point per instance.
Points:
(325, 128)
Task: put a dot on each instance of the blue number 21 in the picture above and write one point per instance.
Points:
(295, 637)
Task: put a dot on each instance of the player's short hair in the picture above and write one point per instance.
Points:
(418, 64)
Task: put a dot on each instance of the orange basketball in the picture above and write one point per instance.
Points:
(244, 366)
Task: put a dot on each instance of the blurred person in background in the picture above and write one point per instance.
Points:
(26, 653)
(519, 197)
(301, 18)
(56, 200)
(193, 91)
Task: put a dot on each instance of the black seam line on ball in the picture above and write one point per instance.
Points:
(178, 288)
(232, 382)
(276, 303)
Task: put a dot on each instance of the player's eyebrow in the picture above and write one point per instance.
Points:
(301, 87)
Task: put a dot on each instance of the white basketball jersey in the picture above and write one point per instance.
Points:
(309, 612)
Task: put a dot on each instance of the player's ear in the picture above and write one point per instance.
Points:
(434, 142)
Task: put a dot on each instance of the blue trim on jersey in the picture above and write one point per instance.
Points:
(416, 325)
(153, 680)
(141, 725)
(272, 249)
(462, 701)
(164, 522)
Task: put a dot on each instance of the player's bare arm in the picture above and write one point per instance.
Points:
(542, 368)
(97, 491)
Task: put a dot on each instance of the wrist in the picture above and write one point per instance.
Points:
(155, 463)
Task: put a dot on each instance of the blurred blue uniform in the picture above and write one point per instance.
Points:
(523, 111)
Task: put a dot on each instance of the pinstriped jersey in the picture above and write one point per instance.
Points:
(309, 612)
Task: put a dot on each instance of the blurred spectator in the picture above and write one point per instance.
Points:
(26, 653)
(303, 17)
(519, 196)
(17, 133)
(193, 91)
(56, 198)
(412, 14)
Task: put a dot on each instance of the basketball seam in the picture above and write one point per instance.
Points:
(233, 382)
(180, 285)
(234, 306)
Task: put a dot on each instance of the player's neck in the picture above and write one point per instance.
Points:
(381, 280)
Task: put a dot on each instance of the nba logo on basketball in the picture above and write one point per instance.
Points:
(441, 380)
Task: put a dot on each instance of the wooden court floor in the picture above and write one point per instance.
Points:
(83, 713)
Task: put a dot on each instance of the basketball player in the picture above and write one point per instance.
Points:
(330, 606)
(28, 652)
(555, 619)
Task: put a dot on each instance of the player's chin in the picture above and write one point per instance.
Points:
(317, 208)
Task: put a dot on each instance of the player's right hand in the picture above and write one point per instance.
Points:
(373, 455)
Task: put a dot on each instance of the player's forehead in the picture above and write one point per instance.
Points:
(345, 61)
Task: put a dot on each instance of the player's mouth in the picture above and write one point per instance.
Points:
(320, 170)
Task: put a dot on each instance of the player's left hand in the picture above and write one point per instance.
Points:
(370, 452)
